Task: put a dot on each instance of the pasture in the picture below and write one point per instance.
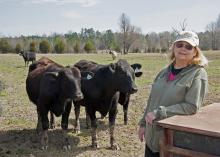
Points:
(19, 117)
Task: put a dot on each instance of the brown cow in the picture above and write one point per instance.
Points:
(52, 87)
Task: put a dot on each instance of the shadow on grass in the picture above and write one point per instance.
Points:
(26, 142)
(102, 125)
(22, 66)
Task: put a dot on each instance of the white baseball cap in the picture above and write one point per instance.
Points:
(189, 37)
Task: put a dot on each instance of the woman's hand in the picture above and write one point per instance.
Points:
(150, 118)
(141, 133)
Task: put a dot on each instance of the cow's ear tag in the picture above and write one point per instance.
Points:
(89, 77)
(86, 75)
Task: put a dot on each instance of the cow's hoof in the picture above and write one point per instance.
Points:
(115, 147)
(95, 146)
(77, 131)
(88, 127)
(67, 147)
(38, 131)
(52, 126)
(44, 147)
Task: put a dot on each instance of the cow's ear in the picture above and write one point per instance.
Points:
(112, 67)
(137, 68)
(87, 75)
(52, 76)
(136, 65)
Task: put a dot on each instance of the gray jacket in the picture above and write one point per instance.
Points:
(182, 96)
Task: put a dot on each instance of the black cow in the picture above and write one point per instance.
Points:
(28, 56)
(52, 87)
(101, 92)
(124, 98)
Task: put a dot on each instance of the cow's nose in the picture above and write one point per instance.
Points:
(78, 97)
(134, 90)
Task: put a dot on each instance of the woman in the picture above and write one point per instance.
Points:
(179, 89)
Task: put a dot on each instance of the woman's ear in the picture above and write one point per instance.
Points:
(195, 52)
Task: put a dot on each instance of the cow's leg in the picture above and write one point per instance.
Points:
(77, 112)
(64, 125)
(52, 121)
(88, 120)
(125, 109)
(94, 128)
(102, 117)
(112, 117)
(45, 126)
(39, 124)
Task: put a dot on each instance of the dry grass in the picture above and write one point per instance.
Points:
(18, 120)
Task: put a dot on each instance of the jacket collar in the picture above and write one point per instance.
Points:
(185, 70)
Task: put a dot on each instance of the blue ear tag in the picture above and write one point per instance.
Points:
(89, 77)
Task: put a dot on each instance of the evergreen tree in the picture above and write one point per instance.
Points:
(18, 48)
(77, 47)
(59, 46)
(44, 46)
(33, 46)
(5, 47)
(89, 46)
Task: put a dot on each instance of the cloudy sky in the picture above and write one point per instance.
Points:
(37, 17)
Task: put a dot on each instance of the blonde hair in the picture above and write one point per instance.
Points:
(198, 59)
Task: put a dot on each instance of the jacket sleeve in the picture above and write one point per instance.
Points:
(193, 99)
(142, 121)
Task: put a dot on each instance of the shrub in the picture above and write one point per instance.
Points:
(44, 46)
(59, 46)
(89, 46)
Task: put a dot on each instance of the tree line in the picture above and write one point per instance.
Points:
(130, 39)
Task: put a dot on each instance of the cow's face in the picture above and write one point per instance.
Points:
(70, 83)
(124, 77)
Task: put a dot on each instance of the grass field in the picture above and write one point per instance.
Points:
(19, 118)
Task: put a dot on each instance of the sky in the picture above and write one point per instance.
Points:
(39, 17)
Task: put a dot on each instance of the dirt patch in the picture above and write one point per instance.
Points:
(1, 107)
(1, 86)
(18, 121)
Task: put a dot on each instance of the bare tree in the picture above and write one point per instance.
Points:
(218, 23)
(218, 32)
(212, 30)
(133, 35)
(129, 32)
(124, 24)
(183, 25)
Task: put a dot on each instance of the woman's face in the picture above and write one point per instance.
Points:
(183, 51)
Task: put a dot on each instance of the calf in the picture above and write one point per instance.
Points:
(101, 92)
(28, 56)
(52, 87)
(114, 54)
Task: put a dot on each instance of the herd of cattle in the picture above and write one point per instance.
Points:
(31, 56)
(53, 88)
